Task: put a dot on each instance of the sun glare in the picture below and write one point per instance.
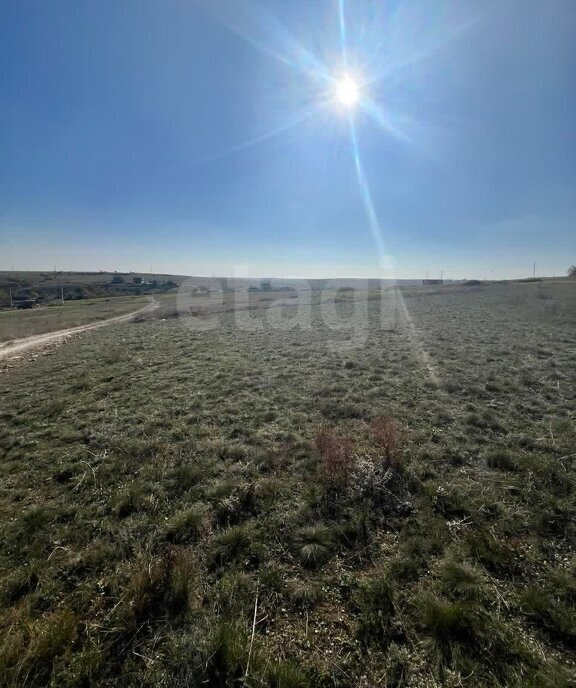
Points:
(347, 91)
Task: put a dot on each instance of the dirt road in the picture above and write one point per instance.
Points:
(37, 341)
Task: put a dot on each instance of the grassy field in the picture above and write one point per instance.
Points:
(69, 280)
(16, 324)
(259, 507)
(51, 287)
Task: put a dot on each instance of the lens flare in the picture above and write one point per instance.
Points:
(347, 91)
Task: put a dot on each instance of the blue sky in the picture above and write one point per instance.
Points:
(129, 137)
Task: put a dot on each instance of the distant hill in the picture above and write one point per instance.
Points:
(47, 286)
(41, 279)
(44, 287)
(30, 279)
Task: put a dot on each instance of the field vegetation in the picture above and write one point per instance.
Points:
(50, 288)
(258, 507)
(17, 324)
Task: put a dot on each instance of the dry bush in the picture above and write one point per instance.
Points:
(389, 436)
(379, 479)
(382, 484)
(337, 454)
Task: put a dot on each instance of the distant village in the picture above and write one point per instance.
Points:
(47, 289)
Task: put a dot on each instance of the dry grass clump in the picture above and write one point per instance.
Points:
(367, 468)
(30, 647)
(337, 457)
(390, 436)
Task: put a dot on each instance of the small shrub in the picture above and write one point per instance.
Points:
(272, 583)
(389, 435)
(337, 457)
(381, 484)
(238, 506)
(267, 490)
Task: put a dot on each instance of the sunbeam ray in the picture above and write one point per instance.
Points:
(414, 338)
(409, 39)
(261, 138)
(249, 18)
(384, 120)
(415, 341)
(366, 194)
(343, 38)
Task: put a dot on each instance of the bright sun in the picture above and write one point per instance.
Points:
(347, 91)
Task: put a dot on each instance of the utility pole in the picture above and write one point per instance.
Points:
(442, 276)
(11, 301)
(534, 273)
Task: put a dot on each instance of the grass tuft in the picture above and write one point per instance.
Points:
(461, 580)
(187, 525)
(375, 602)
(314, 544)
